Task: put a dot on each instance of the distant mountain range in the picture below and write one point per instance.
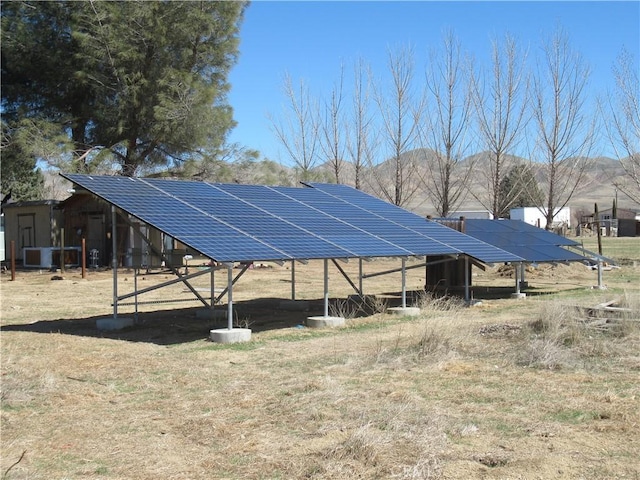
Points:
(598, 186)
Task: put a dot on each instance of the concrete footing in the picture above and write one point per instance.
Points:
(404, 311)
(294, 305)
(324, 322)
(111, 323)
(235, 335)
(518, 296)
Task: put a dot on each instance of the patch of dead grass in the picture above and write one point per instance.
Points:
(439, 396)
(561, 337)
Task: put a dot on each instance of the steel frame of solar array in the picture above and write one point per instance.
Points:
(232, 223)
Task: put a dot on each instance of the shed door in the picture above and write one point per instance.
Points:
(96, 236)
(26, 230)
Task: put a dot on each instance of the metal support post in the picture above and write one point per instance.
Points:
(326, 288)
(230, 296)
(293, 279)
(467, 296)
(114, 261)
(404, 283)
(213, 286)
(600, 284)
(135, 289)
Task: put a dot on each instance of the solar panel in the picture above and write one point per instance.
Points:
(289, 204)
(532, 243)
(187, 223)
(231, 222)
(403, 220)
(411, 242)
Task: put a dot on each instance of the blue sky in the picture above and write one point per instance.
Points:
(310, 40)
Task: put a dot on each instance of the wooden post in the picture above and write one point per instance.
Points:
(84, 258)
(12, 252)
(597, 219)
(62, 250)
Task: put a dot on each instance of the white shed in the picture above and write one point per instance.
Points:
(537, 216)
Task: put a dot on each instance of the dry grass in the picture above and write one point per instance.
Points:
(506, 389)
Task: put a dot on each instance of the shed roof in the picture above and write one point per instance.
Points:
(31, 203)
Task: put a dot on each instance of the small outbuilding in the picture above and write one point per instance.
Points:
(536, 216)
(87, 217)
(623, 222)
(34, 229)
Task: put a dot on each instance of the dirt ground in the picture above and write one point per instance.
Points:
(456, 393)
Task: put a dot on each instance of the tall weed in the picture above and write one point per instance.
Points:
(441, 330)
(561, 336)
(549, 338)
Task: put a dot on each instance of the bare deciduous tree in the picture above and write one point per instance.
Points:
(359, 141)
(445, 132)
(399, 112)
(300, 132)
(332, 139)
(500, 105)
(624, 128)
(564, 133)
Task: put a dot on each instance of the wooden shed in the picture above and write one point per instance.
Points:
(32, 225)
(623, 222)
(87, 217)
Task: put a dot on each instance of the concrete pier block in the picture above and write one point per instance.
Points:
(325, 322)
(235, 335)
(519, 296)
(406, 311)
(111, 323)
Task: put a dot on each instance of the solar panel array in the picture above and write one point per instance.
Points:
(531, 243)
(231, 222)
(482, 250)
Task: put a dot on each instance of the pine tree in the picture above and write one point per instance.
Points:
(519, 188)
(144, 82)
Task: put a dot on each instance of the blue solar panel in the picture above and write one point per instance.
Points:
(252, 222)
(187, 223)
(407, 223)
(527, 241)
